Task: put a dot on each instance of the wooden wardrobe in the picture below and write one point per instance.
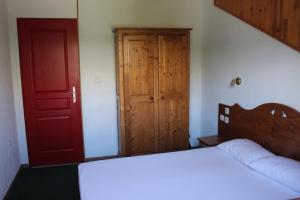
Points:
(152, 89)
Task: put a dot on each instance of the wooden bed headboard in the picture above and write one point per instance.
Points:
(274, 126)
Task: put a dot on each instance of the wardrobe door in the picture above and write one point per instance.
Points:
(140, 74)
(173, 92)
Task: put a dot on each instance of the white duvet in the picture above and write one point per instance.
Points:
(207, 174)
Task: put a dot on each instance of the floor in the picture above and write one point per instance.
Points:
(50, 183)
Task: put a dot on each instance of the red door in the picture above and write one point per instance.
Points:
(51, 90)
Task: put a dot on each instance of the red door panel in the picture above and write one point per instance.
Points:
(51, 90)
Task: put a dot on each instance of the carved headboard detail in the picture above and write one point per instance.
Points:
(274, 126)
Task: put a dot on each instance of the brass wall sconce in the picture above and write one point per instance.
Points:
(236, 81)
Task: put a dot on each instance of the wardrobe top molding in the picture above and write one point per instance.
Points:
(124, 31)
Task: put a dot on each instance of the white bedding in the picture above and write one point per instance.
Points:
(189, 175)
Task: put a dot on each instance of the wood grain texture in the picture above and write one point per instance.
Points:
(290, 22)
(278, 18)
(274, 126)
(152, 88)
(173, 95)
(266, 15)
(140, 69)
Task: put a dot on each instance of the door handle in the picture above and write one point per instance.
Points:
(74, 95)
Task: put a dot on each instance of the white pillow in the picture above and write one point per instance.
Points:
(283, 170)
(244, 150)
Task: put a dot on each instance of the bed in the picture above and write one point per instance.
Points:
(208, 173)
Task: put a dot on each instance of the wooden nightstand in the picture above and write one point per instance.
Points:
(210, 141)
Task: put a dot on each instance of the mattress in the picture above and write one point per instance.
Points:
(207, 173)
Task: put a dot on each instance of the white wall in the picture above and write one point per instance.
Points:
(97, 18)
(269, 69)
(9, 155)
(38, 9)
